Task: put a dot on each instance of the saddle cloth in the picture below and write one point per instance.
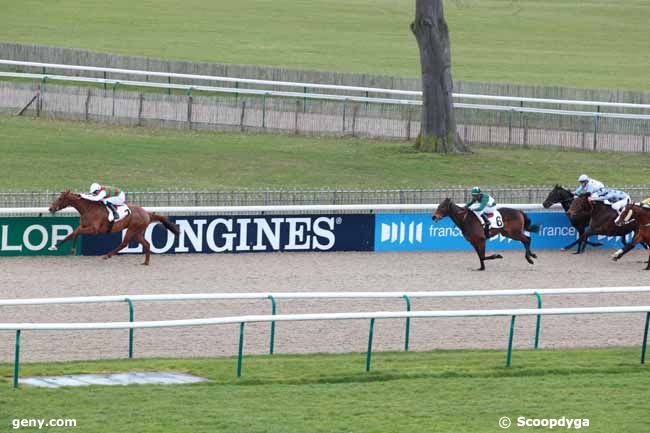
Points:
(495, 218)
(122, 212)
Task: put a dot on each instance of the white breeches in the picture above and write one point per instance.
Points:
(118, 200)
(619, 205)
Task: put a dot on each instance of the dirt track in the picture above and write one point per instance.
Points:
(29, 277)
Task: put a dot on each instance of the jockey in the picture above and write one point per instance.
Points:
(588, 185)
(481, 204)
(617, 199)
(109, 195)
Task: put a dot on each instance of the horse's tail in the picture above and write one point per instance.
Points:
(528, 226)
(168, 224)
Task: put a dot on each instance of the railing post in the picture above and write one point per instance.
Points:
(241, 348)
(17, 359)
(264, 111)
(344, 106)
(104, 81)
(115, 84)
(595, 131)
(645, 337)
(169, 83)
(509, 126)
(539, 319)
(369, 354)
(272, 342)
(407, 331)
(131, 314)
(512, 332)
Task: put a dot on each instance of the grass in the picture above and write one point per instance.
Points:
(55, 155)
(440, 391)
(591, 44)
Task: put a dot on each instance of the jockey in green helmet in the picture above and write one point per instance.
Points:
(482, 204)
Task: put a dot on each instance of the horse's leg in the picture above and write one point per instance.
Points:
(479, 247)
(582, 240)
(127, 238)
(627, 247)
(145, 245)
(76, 232)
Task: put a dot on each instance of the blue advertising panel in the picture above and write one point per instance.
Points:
(239, 234)
(418, 232)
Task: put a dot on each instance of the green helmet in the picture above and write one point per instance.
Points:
(476, 190)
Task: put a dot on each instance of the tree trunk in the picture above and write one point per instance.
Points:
(438, 127)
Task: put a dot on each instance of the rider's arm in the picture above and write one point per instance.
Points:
(484, 201)
(95, 197)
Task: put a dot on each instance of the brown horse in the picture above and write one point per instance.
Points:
(601, 222)
(515, 222)
(641, 214)
(93, 220)
(580, 222)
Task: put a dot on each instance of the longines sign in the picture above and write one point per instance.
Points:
(240, 234)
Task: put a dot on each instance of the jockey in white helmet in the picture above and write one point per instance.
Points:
(109, 195)
(588, 185)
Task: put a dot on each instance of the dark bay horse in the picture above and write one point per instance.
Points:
(93, 220)
(641, 214)
(515, 222)
(601, 222)
(579, 221)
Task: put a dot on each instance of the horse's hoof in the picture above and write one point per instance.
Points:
(563, 249)
(533, 255)
(106, 257)
(498, 256)
(53, 248)
(144, 264)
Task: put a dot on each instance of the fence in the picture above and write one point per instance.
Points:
(266, 197)
(273, 297)
(242, 320)
(40, 53)
(486, 125)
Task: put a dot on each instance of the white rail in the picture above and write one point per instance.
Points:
(341, 98)
(321, 316)
(279, 208)
(319, 86)
(313, 295)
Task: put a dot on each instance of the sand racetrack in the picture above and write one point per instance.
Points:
(28, 277)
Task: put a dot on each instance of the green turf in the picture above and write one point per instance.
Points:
(593, 43)
(47, 154)
(441, 391)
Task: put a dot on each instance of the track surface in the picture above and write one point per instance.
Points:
(28, 277)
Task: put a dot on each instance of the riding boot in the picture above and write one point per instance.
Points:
(486, 226)
(111, 207)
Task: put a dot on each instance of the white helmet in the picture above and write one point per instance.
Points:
(94, 187)
(583, 178)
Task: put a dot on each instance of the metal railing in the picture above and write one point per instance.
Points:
(372, 316)
(264, 197)
(304, 86)
(274, 297)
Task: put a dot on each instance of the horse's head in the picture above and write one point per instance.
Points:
(627, 215)
(444, 209)
(65, 199)
(580, 206)
(557, 195)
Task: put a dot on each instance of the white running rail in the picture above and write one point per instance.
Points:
(327, 295)
(312, 85)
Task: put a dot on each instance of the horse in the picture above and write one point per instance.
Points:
(580, 221)
(602, 220)
(641, 215)
(93, 219)
(514, 224)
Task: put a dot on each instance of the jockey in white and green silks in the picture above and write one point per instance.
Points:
(109, 195)
(481, 204)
